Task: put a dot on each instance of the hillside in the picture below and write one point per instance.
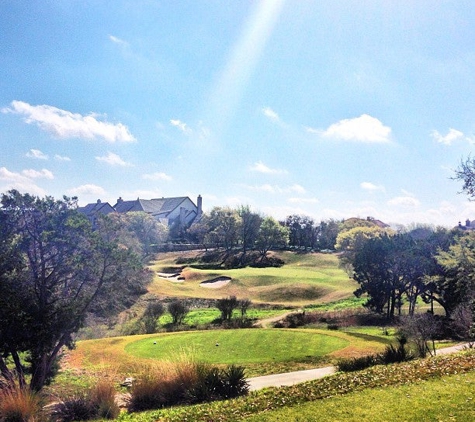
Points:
(311, 278)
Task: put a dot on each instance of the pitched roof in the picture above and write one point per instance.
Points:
(157, 207)
(96, 207)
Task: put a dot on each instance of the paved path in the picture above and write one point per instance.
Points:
(291, 378)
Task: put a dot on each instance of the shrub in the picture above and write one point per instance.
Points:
(234, 382)
(78, 407)
(395, 354)
(97, 402)
(187, 383)
(19, 405)
(392, 354)
(356, 364)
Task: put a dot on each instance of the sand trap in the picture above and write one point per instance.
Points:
(215, 282)
(175, 277)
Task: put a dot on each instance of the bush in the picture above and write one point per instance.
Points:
(97, 402)
(395, 354)
(215, 384)
(357, 364)
(188, 383)
(392, 354)
(18, 405)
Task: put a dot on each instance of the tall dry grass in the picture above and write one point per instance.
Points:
(20, 405)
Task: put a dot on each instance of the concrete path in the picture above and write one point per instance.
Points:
(291, 378)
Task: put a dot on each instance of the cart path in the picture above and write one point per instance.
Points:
(296, 377)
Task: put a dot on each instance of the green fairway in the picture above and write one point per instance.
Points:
(238, 346)
(304, 279)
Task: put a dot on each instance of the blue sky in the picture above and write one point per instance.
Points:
(331, 109)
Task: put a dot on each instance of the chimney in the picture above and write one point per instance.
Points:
(199, 204)
(120, 200)
(467, 223)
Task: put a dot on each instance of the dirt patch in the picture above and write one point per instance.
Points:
(216, 282)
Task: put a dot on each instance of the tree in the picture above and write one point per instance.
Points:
(153, 311)
(327, 234)
(250, 223)
(227, 306)
(373, 271)
(146, 229)
(455, 285)
(244, 305)
(466, 173)
(59, 270)
(178, 311)
(352, 240)
(271, 234)
(302, 231)
(224, 227)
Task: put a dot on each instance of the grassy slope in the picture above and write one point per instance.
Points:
(304, 279)
(449, 398)
(434, 389)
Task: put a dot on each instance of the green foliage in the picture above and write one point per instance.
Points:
(199, 383)
(329, 387)
(226, 306)
(59, 270)
(94, 403)
(178, 311)
(391, 354)
(152, 313)
(357, 364)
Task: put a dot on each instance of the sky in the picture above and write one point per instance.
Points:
(330, 109)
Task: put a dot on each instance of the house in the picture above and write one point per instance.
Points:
(169, 211)
(469, 225)
(91, 211)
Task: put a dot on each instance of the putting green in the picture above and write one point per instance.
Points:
(238, 346)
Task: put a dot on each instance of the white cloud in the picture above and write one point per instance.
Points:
(157, 176)
(36, 153)
(118, 41)
(297, 188)
(262, 168)
(20, 182)
(64, 124)
(271, 114)
(359, 129)
(404, 201)
(58, 157)
(277, 189)
(448, 139)
(303, 200)
(35, 174)
(372, 187)
(88, 189)
(113, 160)
(183, 127)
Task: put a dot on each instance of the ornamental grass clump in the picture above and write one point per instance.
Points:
(187, 383)
(97, 402)
(20, 405)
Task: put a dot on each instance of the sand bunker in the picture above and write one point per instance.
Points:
(215, 282)
(175, 277)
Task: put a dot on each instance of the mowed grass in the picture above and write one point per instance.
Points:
(239, 346)
(303, 279)
(261, 351)
(451, 398)
(204, 316)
